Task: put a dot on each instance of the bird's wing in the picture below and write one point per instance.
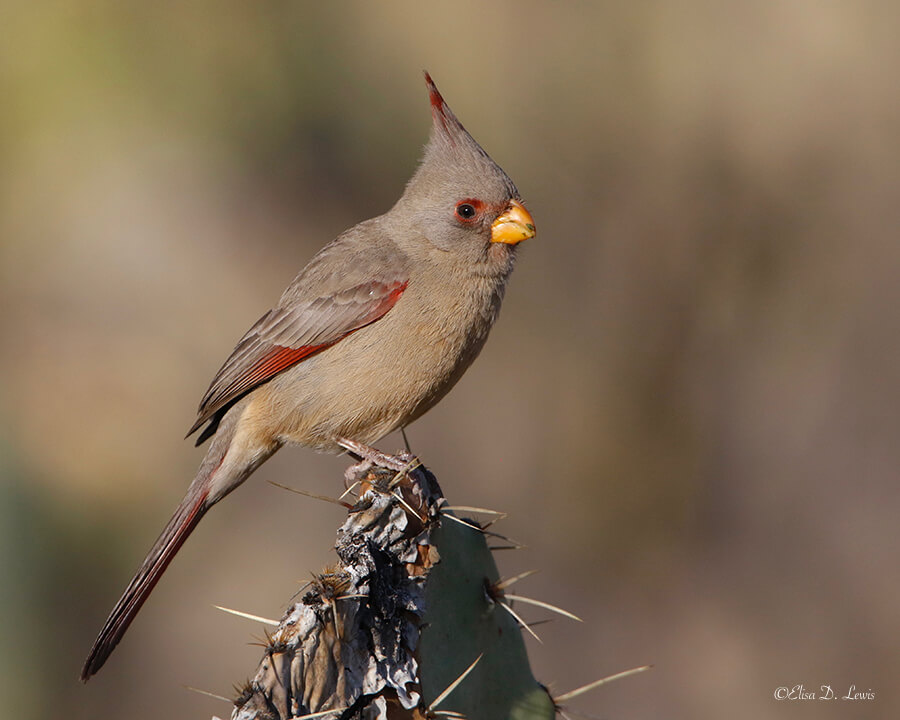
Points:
(303, 323)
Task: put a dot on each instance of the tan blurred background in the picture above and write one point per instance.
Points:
(690, 406)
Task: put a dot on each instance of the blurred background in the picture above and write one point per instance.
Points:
(690, 406)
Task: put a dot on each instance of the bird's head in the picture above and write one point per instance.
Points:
(459, 199)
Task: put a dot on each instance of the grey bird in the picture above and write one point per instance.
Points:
(374, 331)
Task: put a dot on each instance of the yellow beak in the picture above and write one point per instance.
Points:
(513, 226)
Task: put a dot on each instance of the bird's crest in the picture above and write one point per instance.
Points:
(453, 155)
(445, 121)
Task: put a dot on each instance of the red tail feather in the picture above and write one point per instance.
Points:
(181, 525)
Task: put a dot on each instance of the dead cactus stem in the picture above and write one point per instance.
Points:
(388, 629)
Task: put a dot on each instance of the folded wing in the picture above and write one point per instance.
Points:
(292, 331)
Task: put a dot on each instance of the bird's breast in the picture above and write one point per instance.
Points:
(386, 374)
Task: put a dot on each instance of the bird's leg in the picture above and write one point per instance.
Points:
(370, 456)
(405, 440)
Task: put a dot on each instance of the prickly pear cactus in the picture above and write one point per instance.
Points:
(410, 612)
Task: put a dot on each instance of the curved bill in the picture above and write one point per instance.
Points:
(514, 225)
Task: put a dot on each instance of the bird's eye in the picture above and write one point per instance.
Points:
(466, 211)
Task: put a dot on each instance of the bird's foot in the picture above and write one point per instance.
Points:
(356, 472)
(370, 456)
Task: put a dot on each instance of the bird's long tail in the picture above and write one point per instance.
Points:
(185, 519)
(232, 457)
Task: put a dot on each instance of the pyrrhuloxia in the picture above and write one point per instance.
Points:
(371, 334)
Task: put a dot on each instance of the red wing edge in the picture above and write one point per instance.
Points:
(280, 358)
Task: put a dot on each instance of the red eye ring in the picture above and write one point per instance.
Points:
(468, 210)
(465, 211)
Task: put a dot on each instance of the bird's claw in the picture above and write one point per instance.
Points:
(356, 472)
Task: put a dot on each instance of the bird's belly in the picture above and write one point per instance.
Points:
(365, 386)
